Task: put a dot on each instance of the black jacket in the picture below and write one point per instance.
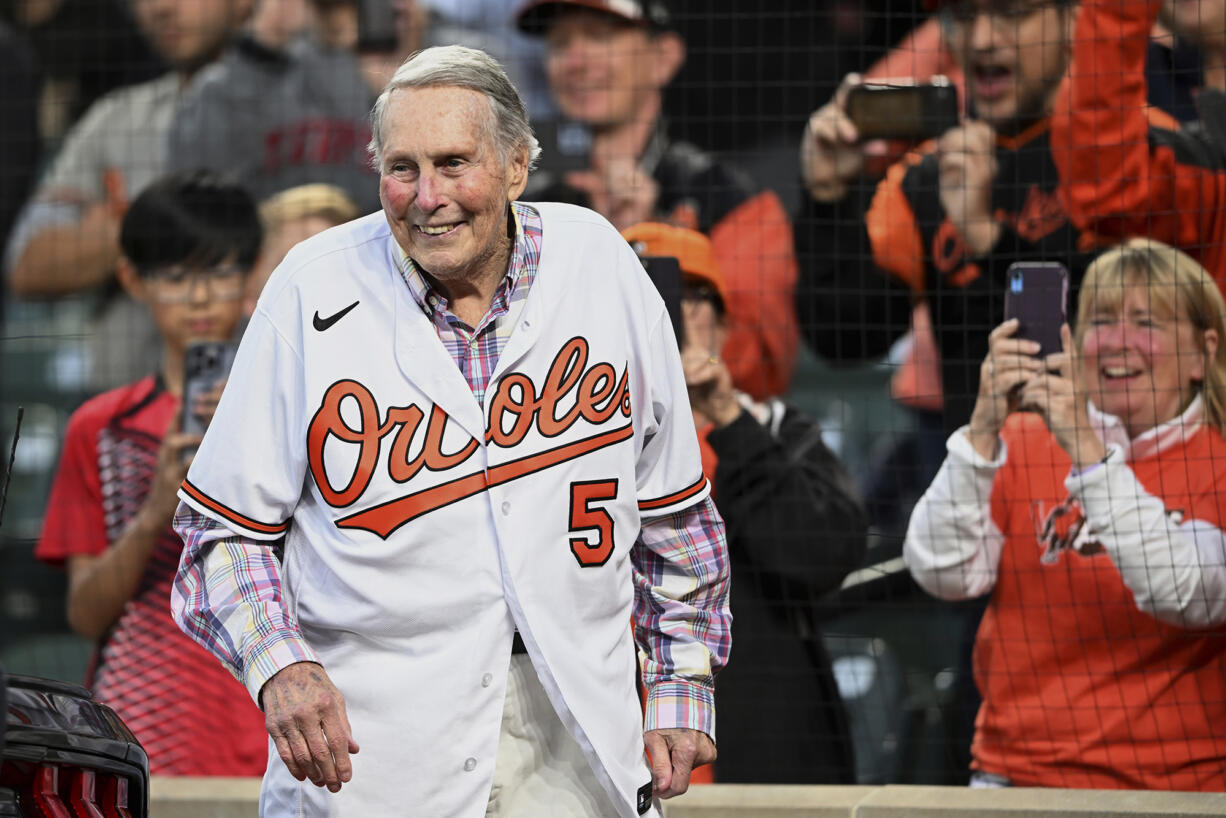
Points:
(795, 530)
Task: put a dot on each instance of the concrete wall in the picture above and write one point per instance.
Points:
(238, 798)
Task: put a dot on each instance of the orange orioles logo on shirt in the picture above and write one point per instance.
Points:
(572, 390)
(1062, 528)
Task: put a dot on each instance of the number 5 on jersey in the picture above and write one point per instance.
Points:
(594, 547)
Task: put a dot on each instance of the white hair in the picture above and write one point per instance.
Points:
(455, 65)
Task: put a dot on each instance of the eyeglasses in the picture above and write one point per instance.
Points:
(177, 285)
(1004, 15)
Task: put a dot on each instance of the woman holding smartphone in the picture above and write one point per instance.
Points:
(1094, 520)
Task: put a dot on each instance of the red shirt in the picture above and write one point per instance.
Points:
(190, 714)
(1080, 688)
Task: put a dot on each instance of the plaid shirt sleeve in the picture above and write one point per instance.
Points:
(227, 597)
(681, 619)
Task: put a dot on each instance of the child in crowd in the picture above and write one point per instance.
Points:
(188, 243)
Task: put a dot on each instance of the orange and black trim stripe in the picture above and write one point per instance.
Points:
(676, 497)
(232, 515)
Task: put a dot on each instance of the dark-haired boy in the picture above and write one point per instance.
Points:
(188, 243)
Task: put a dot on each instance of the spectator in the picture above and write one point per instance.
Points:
(85, 49)
(795, 530)
(279, 111)
(1126, 170)
(289, 217)
(946, 222)
(1094, 520)
(608, 63)
(66, 238)
(188, 242)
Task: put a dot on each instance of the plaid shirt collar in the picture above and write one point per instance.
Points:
(525, 256)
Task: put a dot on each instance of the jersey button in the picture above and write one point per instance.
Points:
(470, 764)
(487, 679)
(506, 506)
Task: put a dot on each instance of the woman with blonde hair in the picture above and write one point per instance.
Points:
(1094, 518)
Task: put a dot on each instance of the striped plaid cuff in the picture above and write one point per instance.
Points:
(270, 654)
(681, 703)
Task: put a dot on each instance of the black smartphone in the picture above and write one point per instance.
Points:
(376, 26)
(896, 111)
(1036, 294)
(665, 273)
(205, 364)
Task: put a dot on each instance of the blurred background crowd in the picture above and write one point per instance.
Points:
(845, 275)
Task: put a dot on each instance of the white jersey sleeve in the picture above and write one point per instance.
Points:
(669, 472)
(249, 471)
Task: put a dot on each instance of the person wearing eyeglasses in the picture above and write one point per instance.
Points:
(948, 219)
(188, 244)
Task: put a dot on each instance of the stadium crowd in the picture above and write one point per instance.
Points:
(160, 158)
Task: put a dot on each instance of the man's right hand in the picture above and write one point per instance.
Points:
(305, 715)
(830, 153)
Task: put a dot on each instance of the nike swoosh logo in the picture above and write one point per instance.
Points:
(322, 324)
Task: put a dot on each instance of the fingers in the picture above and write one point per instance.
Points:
(339, 742)
(305, 716)
(674, 754)
(1067, 364)
(286, 754)
(661, 762)
(682, 766)
(699, 366)
(850, 81)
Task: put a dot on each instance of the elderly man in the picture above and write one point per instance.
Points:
(468, 420)
(608, 64)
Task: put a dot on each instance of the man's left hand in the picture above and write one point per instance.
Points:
(675, 752)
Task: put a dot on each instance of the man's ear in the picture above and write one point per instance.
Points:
(670, 56)
(131, 281)
(517, 172)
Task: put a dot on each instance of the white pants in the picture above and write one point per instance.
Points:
(540, 769)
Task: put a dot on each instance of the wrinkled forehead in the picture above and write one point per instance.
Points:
(432, 113)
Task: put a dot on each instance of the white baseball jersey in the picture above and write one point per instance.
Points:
(422, 528)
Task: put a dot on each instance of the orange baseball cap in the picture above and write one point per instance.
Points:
(691, 249)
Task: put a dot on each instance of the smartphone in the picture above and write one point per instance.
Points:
(205, 364)
(1036, 294)
(898, 111)
(376, 26)
(665, 273)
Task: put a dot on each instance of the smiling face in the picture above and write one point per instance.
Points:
(1142, 359)
(444, 186)
(1014, 53)
(604, 71)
